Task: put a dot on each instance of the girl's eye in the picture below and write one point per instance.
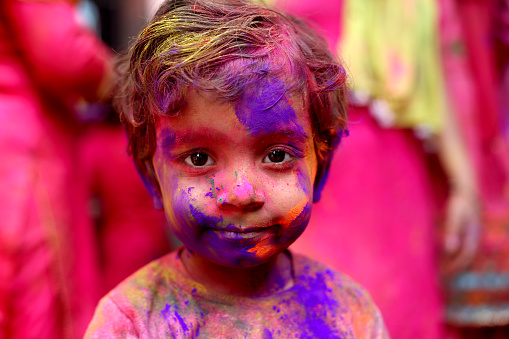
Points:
(199, 159)
(277, 156)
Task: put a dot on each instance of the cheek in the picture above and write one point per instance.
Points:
(292, 198)
(176, 198)
(193, 203)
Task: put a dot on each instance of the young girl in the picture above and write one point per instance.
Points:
(233, 111)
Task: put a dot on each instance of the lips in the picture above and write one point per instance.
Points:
(235, 233)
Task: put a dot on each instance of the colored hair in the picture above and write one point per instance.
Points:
(221, 47)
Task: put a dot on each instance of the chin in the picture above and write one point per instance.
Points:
(243, 257)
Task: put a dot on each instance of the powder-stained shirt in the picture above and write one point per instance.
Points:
(162, 301)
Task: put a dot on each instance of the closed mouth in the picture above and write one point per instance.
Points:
(242, 233)
(235, 229)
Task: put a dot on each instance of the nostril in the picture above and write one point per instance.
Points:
(240, 198)
(254, 205)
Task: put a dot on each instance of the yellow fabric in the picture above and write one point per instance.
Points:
(391, 49)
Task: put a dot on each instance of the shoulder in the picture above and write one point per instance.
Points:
(147, 283)
(343, 297)
(128, 307)
(312, 272)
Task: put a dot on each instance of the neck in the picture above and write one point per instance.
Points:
(262, 280)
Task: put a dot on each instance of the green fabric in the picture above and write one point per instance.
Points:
(391, 49)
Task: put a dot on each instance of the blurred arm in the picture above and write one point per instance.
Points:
(462, 224)
(63, 56)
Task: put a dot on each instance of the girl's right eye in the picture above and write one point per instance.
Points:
(199, 159)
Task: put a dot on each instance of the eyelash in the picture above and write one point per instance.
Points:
(291, 151)
(191, 167)
(285, 164)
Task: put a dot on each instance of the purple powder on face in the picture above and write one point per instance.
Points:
(264, 107)
(166, 138)
(303, 181)
(301, 220)
(205, 220)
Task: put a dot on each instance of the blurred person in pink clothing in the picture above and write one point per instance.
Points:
(48, 273)
(130, 232)
(478, 295)
(378, 218)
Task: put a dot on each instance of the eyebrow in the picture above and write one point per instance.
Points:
(289, 132)
(212, 135)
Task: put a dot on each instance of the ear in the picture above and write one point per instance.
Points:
(150, 180)
(321, 178)
(319, 184)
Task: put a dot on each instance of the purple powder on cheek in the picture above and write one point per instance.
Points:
(212, 192)
(303, 181)
(205, 220)
(264, 107)
(298, 224)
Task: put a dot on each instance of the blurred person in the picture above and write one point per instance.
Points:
(501, 37)
(130, 232)
(478, 296)
(378, 218)
(48, 273)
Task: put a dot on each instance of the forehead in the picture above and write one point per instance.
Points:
(264, 108)
(266, 105)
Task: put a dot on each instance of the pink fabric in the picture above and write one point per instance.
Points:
(490, 150)
(131, 231)
(470, 76)
(323, 15)
(162, 301)
(47, 274)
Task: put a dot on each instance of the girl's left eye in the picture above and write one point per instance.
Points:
(277, 156)
(199, 159)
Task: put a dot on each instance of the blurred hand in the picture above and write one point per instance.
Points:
(462, 231)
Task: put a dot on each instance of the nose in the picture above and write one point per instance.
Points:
(240, 195)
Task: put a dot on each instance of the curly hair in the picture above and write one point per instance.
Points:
(221, 47)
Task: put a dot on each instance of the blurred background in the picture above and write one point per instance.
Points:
(416, 208)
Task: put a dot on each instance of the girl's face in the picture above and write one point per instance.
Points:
(237, 180)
